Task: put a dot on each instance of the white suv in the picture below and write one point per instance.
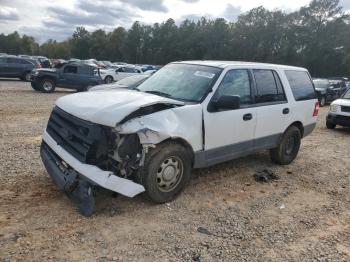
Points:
(187, 115)
(339, 113)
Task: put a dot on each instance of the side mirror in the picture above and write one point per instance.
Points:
(227, 102)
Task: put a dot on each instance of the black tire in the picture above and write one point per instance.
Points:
(154, 168)
(47, 85)
(330, 125)
(34, 86)
(322, 101)
(109, 79)
(288, 148)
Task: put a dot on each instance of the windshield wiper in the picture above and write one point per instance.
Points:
(159, 93)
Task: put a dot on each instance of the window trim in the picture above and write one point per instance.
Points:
(271, 102)
(211, 108)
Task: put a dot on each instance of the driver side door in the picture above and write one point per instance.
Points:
(230, 133)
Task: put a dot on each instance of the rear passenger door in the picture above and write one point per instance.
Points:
(15, 67)
(272, 108)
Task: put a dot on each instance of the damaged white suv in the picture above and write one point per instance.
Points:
(188, 115)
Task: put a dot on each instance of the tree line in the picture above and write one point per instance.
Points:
(316, 36)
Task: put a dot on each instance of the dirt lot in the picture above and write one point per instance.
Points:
(223, 215)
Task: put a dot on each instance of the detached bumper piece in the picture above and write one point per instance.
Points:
(340, 120)
(76, 187)
(79, 180)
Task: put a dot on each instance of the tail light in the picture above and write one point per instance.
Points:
(38, 66)
(317, 108)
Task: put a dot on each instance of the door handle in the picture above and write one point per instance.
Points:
(285, 111)
(247, 117)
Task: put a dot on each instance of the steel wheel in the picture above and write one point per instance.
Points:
(47, 86)
(169, 174)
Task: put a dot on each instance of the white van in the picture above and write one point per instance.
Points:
(188, 115)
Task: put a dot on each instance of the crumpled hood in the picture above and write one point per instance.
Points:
(109, 107)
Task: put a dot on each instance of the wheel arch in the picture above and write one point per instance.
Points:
(54, 79)
(183, 143)
(299, 125)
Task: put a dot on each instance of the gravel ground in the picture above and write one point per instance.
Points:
(223, 215)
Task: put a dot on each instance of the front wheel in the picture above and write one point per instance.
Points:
(288, 148)
(108, 79)
(166, 171)
(34, 86)
(330, 125)
(47, 85)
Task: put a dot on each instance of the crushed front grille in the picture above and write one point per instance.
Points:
(84, 140)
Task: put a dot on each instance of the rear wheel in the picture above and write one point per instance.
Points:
(323, 101)
(166, 172)
(25, 77)
(330, 125)
(288, 148)
(47, 85)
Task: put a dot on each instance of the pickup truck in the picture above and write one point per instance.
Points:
(76, 76)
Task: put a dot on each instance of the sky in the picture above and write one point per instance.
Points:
(57, 19)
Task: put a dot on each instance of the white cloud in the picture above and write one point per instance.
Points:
(8, 13)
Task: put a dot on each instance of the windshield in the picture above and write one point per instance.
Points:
(323, 84)
(347, 95)
(181, 81)
(132, 80)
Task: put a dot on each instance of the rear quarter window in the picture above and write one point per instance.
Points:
(301, 85)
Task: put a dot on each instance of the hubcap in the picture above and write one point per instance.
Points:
(47, 85)
(169, 174)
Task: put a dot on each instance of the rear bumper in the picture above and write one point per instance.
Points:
(78, 180)
(340, 120)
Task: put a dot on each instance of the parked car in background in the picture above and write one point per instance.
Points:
(76, 76)
(188, 115)
(131, 82)
(339, 83)
(111, 75)
(326, 92)
(339, 112)
(16, 67)
(44, 61)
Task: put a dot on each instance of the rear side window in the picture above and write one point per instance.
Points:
(269, 86)
(25, 62)
(301, 85)
(84, 70)
(13, 60)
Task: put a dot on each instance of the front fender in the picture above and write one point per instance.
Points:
(182, 122)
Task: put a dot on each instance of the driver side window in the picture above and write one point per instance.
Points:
(70, 70)
(236, 83)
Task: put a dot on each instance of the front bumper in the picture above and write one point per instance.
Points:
(340, 120)
(78, 180)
